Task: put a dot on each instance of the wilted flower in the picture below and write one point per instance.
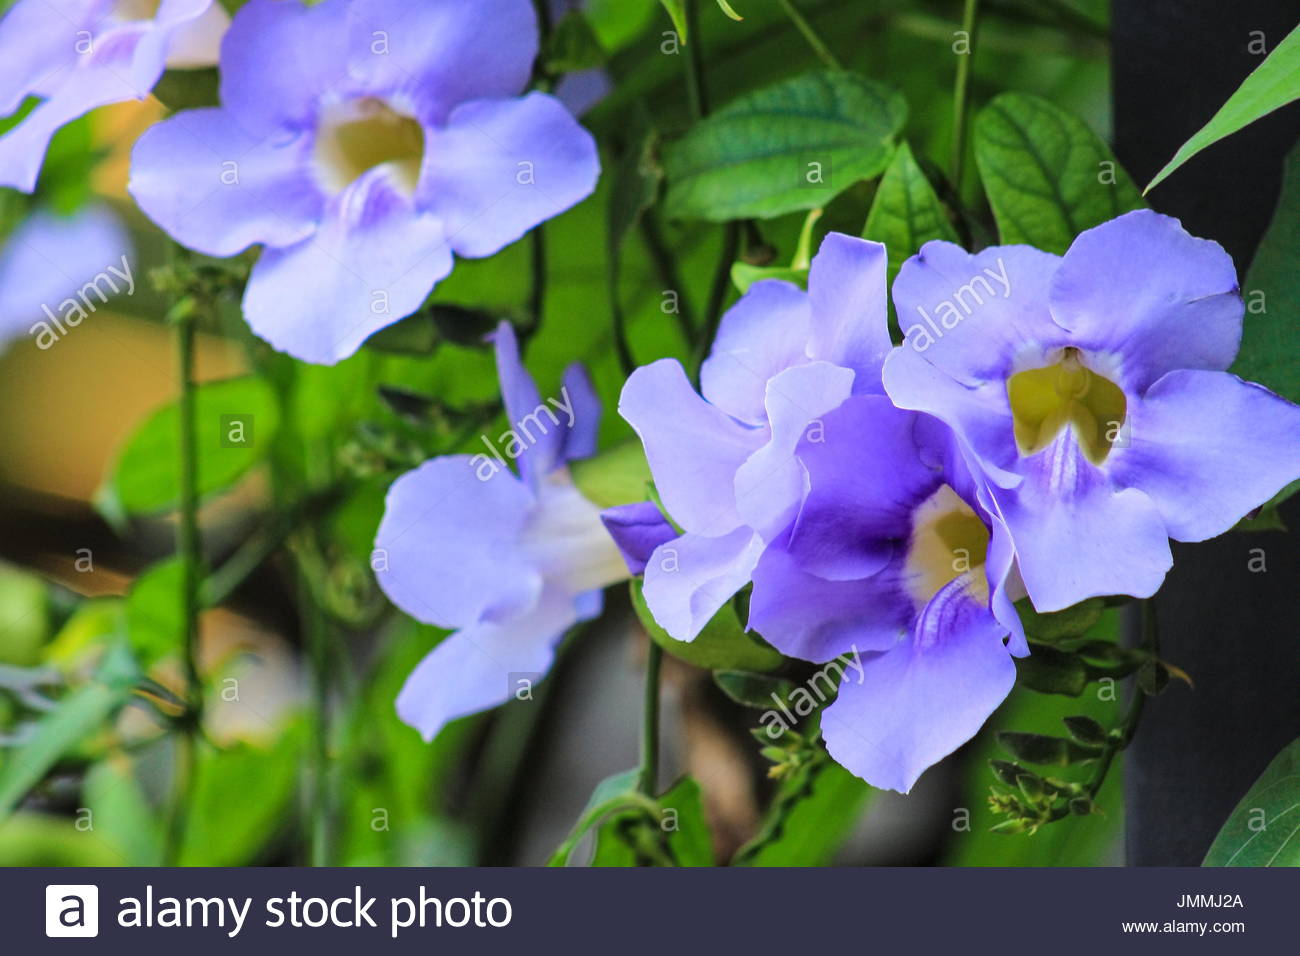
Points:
(363, 142)
(1090, 391)
(511, 562)
(76, 55)
(54, 269)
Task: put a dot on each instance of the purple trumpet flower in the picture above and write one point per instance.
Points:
(859, 524)
(77, 55)
(724, 463)
(1090, 392)
(363, 142)
(54, 270)
(511, 562)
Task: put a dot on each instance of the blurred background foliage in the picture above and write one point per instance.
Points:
(87, 488)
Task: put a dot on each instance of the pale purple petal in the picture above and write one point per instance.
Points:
(446, 550)
(583, 407)
(1208, 448)
(49, 258)
(526, 414)
(440, 53)
(980, 414)
(106, 80)
(500, 167)
(280, 59)
(1077, 536)
(482, 665)
(687, 580)
(197, 43)
(764, 332)
(809, 617)
(1141, 287)
(637, 529)
(372, 262)
(915, 704)
(694, 449)
(583, 90)
(973, 315)
(210, 185)
(850, 314)
(771, 484)
(39, 38)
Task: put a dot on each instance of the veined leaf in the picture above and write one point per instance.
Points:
(1048, 177)
(1270, 86)
(1263, 829)
(906, 213)
(791, 146)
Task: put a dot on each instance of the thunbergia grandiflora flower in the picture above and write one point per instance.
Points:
(860, 534)
(77, 55)
(511, 561)
(363, 142)
(1090, 391)
(55, 269)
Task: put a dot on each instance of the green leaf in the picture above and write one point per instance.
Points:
(616, 476)
(791, 146)
(1048, 177)
(1271, 333)
(677, 10)
(1045, 750)
(573, 45)
(729, 10)
(906, 213)
(743, 275)
(1270, 86)
(1262, 830)
(760, 691)
(223, 826)
(1056, 626)
(236, 418)
(689, 840)
(723, 644)
(611, 795)
(1085, 730)
(811, 816)
(1052, 671)
(76, 717)
(120, 813)
(154, 612)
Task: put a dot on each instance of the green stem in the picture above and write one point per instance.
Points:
(1123, 734)
(318, 650)
(697, 94)
(184, 762)
(970, 15)
(810, 34)
(666, 266)
(189, 551)
(537, 297)
(649, 781)
(718, 291)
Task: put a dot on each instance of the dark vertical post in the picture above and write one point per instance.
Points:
(1236, 631)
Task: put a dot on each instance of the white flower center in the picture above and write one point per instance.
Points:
(1067, 394)
(948, 541)
(355, 136)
